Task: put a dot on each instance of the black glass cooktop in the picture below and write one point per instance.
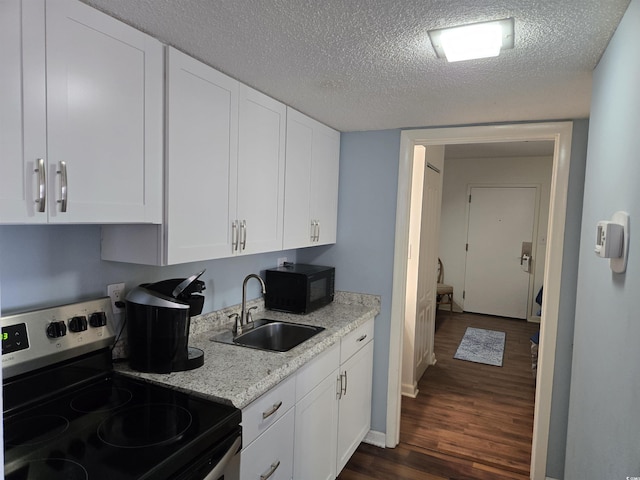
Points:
(116, 427)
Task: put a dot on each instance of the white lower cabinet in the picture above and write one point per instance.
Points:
(267, 434)
(314, 439)
(270, 456)
(333, 417)
(355, 403)
(317, 417)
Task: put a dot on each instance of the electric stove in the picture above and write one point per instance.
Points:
(67, 415)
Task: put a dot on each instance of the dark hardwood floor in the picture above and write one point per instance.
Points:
(470, 421)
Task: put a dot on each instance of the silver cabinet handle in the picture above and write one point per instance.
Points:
(63, 186)
(42, 185)
(339, 387)
(315, 230)
(274, 466)
(272, 410)
(344, 385)
(243, 234)
(234, 236)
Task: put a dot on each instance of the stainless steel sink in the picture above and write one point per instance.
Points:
(272, 335)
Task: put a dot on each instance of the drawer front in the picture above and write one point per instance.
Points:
(317, 370)
(356, 340)
(266, 410)
(271, 455)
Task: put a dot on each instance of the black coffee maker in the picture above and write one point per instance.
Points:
(158, 318)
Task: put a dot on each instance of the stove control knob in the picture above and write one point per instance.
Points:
(78, 324)
(98, 319)
(56, 329)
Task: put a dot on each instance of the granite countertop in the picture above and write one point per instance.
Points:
(239, 375)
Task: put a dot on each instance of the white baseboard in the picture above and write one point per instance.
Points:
(549, 478)
(377, 439)
(410, 390)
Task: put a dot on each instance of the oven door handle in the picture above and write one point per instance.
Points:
(218, 470)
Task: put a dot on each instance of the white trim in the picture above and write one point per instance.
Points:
(560, 133)
(377, 439)
(410, 391)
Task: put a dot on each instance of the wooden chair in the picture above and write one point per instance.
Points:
(444, 293)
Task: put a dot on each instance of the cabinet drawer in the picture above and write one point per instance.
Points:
(271, 452)
(266, 410)
(356, 340)
(316, 370)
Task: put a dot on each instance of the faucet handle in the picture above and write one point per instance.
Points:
(237, 327)
(249, 316)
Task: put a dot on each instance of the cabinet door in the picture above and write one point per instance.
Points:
(324, 184)
(261, 156)
(104, 118)
(316, 426)
(311, 181)
(22, 112)
(355, 404)
(297, 219)
(202, 118)
(271, 454)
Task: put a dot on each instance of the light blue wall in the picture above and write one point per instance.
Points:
(363, 254)
(55, 264)
(566, 310)
(603, 436)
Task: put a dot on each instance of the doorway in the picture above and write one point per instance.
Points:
(560, 134)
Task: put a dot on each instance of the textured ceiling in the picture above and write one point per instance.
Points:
(368, 64)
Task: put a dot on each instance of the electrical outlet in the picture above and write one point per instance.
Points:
(282, 261)
(116, 292)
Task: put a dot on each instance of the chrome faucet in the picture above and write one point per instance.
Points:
(245, 314)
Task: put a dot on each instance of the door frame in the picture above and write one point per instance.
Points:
(558, 132)
(534, 235)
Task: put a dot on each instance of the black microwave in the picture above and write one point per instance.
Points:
(297, 288)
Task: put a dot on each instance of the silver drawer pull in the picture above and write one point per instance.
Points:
(362, 338)
(63, 186)
(234, 236)
(243, 235)
(272, 410)
(344, 385)
(42, 185)
(272, 469)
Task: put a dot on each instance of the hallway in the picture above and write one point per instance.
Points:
(469, 421)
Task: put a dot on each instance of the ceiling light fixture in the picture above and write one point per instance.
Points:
(476, 40)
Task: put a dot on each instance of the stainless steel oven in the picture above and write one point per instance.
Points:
(67, 415)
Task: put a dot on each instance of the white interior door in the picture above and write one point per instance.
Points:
(500, 220)
(420, 299)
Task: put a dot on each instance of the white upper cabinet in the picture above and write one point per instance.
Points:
(224, 172)
(202, 160)
(103, 158)
(311, 182)
(225, 165)
(22, 130)
(261, 170)
(104, 117)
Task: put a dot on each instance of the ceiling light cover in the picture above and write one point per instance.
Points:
(477, 40)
